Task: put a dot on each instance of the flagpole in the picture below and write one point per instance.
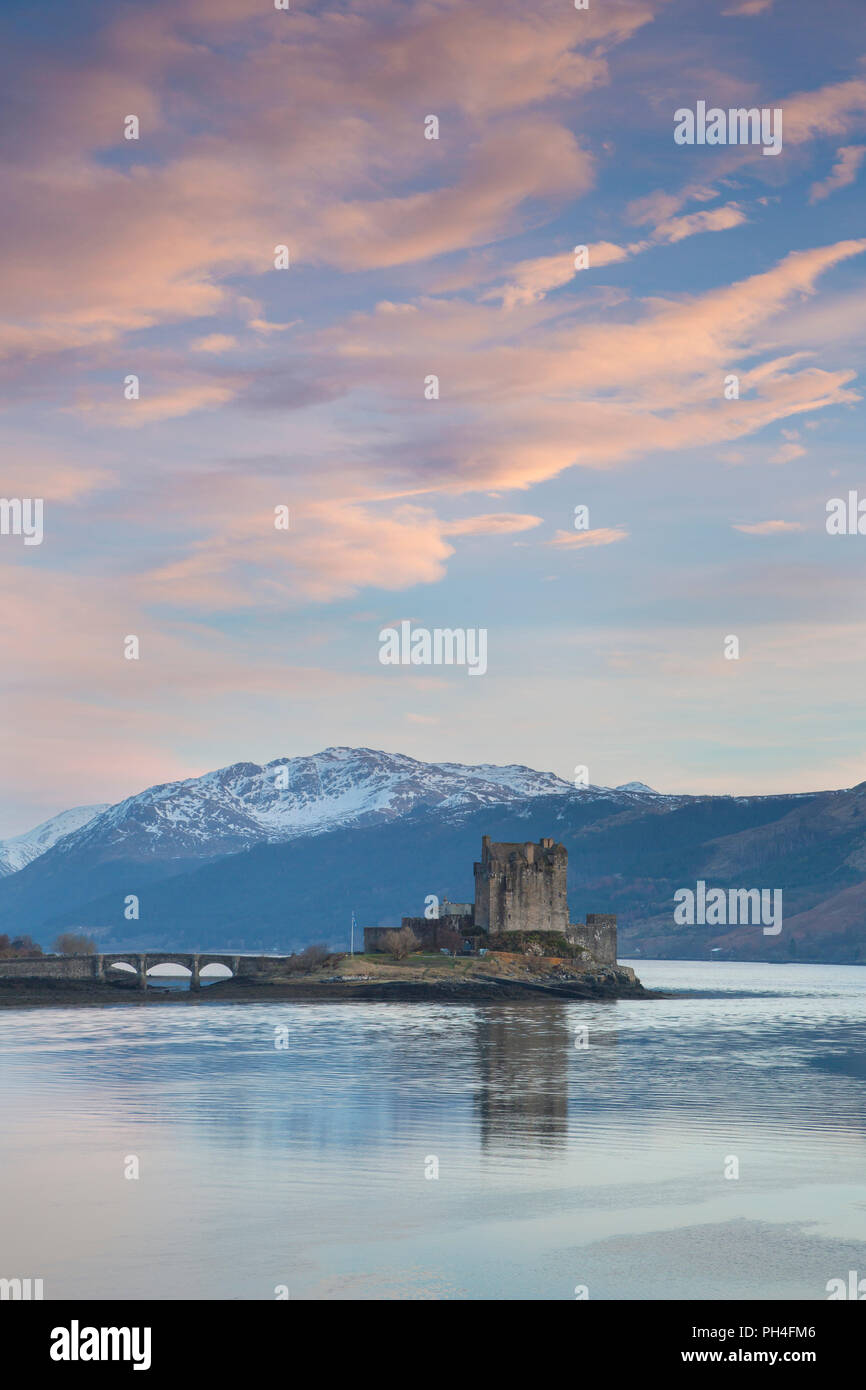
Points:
(352, 937)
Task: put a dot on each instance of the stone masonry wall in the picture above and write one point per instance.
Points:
(49, 968)
(598, 936)
(431, 933)
(521, 887)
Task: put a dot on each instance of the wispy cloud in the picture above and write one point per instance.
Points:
(844, 172)
(492, 524)
(579, 540)
(411, 258)
(749, 7)
(767, 528)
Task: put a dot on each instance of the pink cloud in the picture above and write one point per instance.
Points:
(530, 281)
(717, 220)
(493, 524)
(153, 236)
(786, 453)
(654, 382)
(331, 550)
(37, 472)
(660, 206)
(749, 7)
(767, 528)
(830, 110)
(215, 343)
(532, 158)
(578, 540)
(150, 407)
(844, 172)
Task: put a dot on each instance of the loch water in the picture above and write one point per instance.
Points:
(344, 1151)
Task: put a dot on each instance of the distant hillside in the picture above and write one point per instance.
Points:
(23, 849)
(262, 858)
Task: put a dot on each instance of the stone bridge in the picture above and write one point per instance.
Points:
(255, 969)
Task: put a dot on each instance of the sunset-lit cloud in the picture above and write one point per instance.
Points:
(786, 453)
(833, 109)
(415, 260)
(494, 524)
(844, 172)
(749, 7)
(578, 540)
(767, 528)
(709, 220)
(214, 342)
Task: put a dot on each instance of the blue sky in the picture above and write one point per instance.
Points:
(304, 387)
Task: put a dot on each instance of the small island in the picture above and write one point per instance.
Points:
(319, 976)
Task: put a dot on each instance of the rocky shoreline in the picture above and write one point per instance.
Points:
(607, 983)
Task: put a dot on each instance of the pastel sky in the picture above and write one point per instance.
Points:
(261, 387)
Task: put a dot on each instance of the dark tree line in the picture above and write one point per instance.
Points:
(18, 946)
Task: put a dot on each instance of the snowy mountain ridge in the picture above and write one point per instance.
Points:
(20, 850)
(235, 807)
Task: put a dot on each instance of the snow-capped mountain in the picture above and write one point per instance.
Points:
(23, 849)
(246, 804)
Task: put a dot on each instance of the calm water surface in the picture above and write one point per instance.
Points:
(558, 1166)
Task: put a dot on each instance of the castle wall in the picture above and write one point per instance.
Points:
(424, 929)
(598, 936)
(432, 933)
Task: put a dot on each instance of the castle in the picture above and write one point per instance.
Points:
(519, 887)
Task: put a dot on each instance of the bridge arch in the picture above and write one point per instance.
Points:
(180, 960)
(169, 970)
(150, 965)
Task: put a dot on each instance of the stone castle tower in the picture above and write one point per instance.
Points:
(521, 887)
